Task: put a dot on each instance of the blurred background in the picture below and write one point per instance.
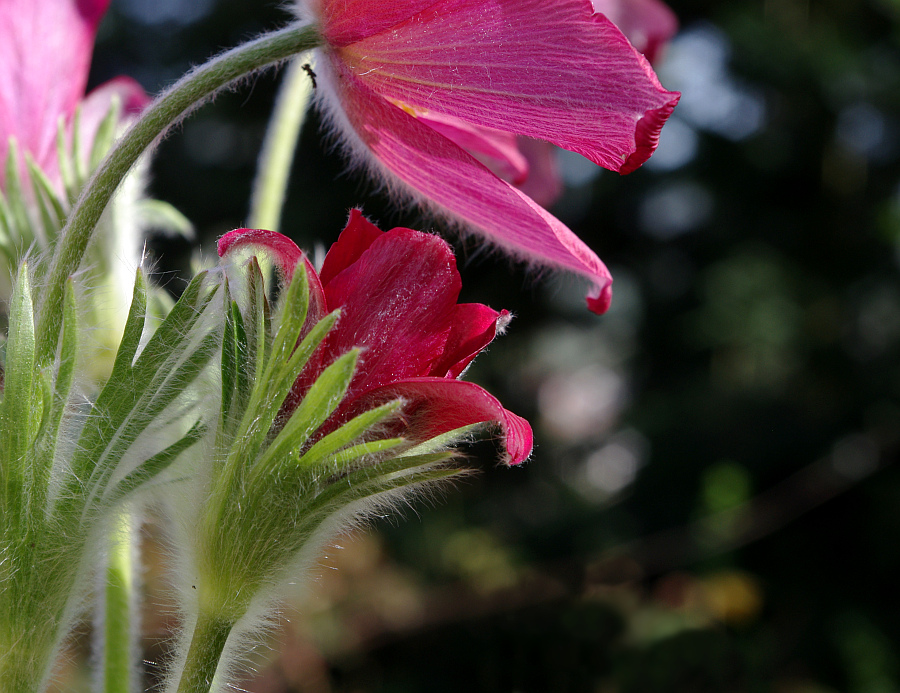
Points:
(712, 504)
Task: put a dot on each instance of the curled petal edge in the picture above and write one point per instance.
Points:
(286, 255)
(434, 406)
(646, 136)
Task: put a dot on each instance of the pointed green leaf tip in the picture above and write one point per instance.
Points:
(352, 431)
(320, 402)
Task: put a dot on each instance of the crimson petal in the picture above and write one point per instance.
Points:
(354, 240)
(435, 406)
(398, 300)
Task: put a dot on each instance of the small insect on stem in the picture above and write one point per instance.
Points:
(312, 75)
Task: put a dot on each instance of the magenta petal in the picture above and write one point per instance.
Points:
(474, 326)
(347, 21)
(45, 53)
(543, 184)
(438, 170)
(567, 76)
(499, 151)
(398, 300)
(438, 405)
(354, 240)
(286, 255)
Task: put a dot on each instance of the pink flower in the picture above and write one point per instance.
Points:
(397, 292)
(45, 53)
(530, 164)
(648, 24)
(546, 69)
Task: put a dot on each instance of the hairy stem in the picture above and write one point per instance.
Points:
(207, 645)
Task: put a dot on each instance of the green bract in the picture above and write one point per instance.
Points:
(67, 463)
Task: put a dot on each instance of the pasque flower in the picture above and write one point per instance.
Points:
(45, 54)
(550, 70)
(397, 292)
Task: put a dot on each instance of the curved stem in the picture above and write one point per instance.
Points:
(190, 91)
(277, 156)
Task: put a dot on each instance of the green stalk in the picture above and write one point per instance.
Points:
(118, 634)
(171, 106)
(270, 186)
(207, 645)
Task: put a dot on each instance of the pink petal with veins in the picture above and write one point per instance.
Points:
(497, 150)
(454, 182)
(347, 21)
(559, 73)
(45, 53)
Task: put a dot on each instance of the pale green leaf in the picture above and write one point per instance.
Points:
(20, 414)
(78, 158)
(66, 171)
(52, 211)
(152, 467)
(106, 134)
(445, 440)
(16, 199)
(320, 401)
(348, 433)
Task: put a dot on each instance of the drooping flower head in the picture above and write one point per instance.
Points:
(45, 54)
(397, 292)
(400, 77)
